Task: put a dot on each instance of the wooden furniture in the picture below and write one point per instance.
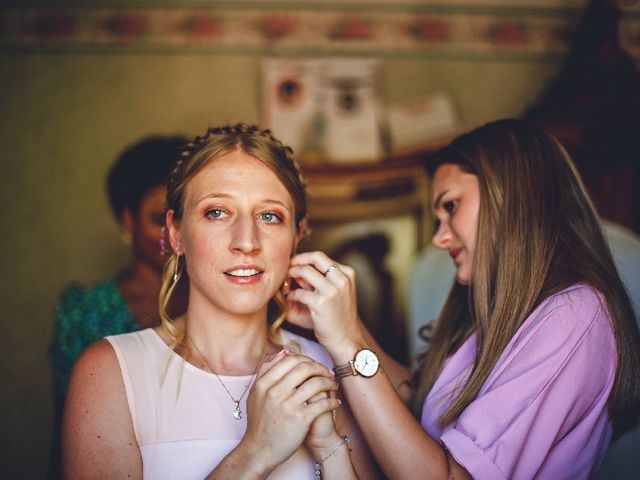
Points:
(374, 217)
(339, 193)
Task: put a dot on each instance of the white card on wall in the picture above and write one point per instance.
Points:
(416, 122)
(325, 109)
(289, 99)
(351, 110)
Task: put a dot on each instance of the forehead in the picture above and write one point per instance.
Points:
(237, 174)
(449, 176)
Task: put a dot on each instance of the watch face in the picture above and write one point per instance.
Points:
(366, 363)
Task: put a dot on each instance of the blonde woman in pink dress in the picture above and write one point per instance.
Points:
(218, 392)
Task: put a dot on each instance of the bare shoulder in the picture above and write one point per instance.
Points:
(97, 430)
(97, 359)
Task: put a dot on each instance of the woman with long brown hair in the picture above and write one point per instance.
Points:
(217, 392)
(533, 363)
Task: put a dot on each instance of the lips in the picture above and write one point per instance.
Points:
(454, 252)
(244, 274)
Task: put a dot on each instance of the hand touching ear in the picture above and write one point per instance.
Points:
(326, 299)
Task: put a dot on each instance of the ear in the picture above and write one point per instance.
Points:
(302, 228)
(127, 220)
(175, 238)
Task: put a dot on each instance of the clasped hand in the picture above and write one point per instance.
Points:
(290, 404)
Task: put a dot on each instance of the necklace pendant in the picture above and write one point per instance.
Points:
(236, 411)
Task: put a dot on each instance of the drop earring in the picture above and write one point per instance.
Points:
(127, 238)
(176, 271)
(163, 241)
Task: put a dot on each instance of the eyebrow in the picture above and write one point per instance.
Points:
(436, 204)
(276, 202)
(213, 195)
(226, 195)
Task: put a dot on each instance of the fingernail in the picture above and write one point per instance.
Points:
(339, 401)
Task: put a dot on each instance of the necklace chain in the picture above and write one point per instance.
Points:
(237, 413)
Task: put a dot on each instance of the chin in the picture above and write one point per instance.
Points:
(241, 308)
(245, 312)
(462, 279)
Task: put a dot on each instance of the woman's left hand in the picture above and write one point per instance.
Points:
(326, 299)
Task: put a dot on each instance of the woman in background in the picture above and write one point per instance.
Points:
(217, 392)
(127, 301)
(533, 363)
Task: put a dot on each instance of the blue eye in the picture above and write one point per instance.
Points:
(215, 213)
(270, 217)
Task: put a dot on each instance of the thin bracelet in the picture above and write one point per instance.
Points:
(317, 463)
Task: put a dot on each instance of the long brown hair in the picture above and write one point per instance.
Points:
(538, 233)
(261, 145)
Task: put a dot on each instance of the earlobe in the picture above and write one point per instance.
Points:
(128, 224)
(174, 233)
(127, 221)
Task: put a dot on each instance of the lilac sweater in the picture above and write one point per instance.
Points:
(542, 413)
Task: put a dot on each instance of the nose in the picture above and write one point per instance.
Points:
(245, 236)
(442, 236)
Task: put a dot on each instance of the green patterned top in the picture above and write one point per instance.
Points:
(83, 317)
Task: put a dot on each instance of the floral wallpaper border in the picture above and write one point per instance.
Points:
(311, 31)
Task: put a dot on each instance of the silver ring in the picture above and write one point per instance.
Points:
(332, 267)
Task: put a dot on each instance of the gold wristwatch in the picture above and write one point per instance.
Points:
(365, 363)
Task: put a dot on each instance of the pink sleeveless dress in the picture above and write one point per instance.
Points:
(182, 416)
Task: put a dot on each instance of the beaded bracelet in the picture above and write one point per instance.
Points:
(317, 463)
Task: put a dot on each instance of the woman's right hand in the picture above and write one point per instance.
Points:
(325, 301)
(282, 405)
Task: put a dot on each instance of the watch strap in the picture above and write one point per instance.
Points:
(345, 370)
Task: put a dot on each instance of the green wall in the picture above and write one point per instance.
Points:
(65, 116)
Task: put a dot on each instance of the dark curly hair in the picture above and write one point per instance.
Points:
(140, 167)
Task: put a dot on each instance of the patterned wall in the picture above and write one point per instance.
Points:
(456, 30)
